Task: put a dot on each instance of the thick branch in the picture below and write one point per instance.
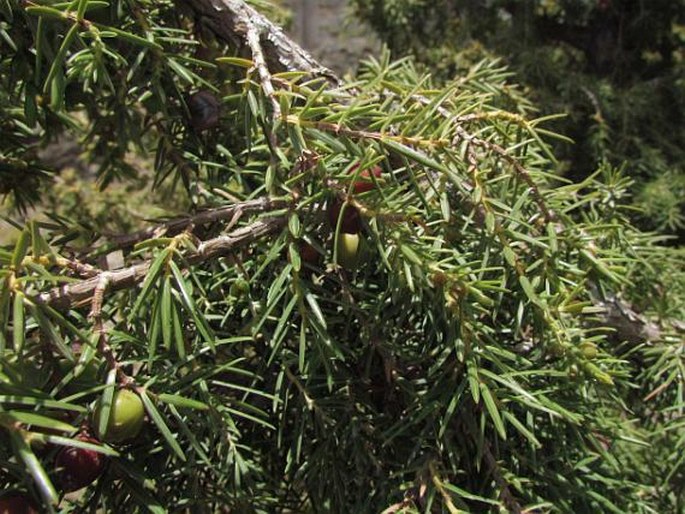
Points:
(71, 295)
(629, 325)
(233, 20)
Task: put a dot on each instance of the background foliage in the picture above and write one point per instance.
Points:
(473, 356)
(615, 67)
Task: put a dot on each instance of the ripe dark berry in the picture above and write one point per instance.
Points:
(308, 254)
(205, 110)
(364, 182)
(351, 222)
(17, 503)
(78, 467)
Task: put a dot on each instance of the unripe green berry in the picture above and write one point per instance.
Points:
(348, 250)
(126, 417)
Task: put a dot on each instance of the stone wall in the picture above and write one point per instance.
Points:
(328, 30)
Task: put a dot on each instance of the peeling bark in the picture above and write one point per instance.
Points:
(232, 20)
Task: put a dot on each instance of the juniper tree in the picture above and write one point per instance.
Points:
(379, 298)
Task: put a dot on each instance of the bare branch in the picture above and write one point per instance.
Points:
(629, 325)
(178, 225)
(253, 41)
(99, 325)
(74, 294)
(240, 237)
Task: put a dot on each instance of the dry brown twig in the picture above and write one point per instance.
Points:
(69, 295)
(253, 40)
(177, 225)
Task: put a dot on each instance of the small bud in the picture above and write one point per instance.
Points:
(588, 349)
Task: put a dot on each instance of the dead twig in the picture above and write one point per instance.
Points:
(178, 225)
(70, 295)
(254, 42)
